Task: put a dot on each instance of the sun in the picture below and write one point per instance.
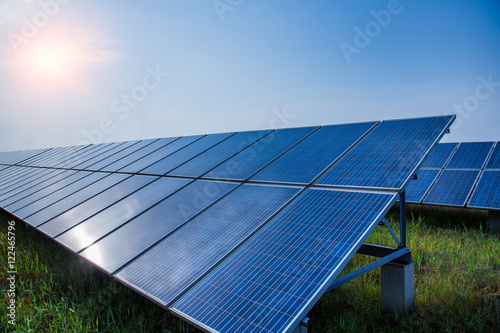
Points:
(49, 59)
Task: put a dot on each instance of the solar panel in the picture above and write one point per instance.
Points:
(17, 157)
(389, 156)
(440, 155)
(101, 201)
(273, 280)
(416, 190)
(304, 162)
(74, 199)
(487, 192)
(87, 231)
(253, 158)
(88, 153)
(452, 188)
(182, 258)
(111, 252)
(470, 155)
(494, 160)
(166, 164)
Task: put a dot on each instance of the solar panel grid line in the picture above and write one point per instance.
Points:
(274, 237)
(112, 269)
(248, 177)
(180, 145)
(206, 261)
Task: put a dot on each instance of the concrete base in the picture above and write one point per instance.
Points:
(494, 221)
(302, 328)
(398, 288)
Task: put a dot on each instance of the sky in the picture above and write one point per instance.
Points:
(77, 72)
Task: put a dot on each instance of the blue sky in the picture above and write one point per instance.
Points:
(79, 71)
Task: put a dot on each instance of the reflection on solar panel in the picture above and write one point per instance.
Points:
(440, 155)
(387, 158)
(494, 161)
(470, 155)
(452, 188)
(230, 253)
(487, 193)
(417, 188)
(281, 272)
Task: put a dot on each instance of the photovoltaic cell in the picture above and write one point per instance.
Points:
(161, 153)
(487, 192)
(417, 188)
(180, 259)
(74, 199)
(470, 155)
(439, 155)
(107, 220)
(59, 194)
(494, 161)
(388, 156)
(111, 253)
(273, 280)
(309, 158)
(167, 163)
(452, 188)
(94, 205)
(217, 154)
(250, 160)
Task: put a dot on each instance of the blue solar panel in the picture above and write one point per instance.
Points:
(171, 162)
(487, 192)
(390, 155)
(470, 155)
(55, 154)
(247, 162)
(74, 199)
(40, 190)
(17, 157)
(79, 213)
(308, 159)
(439, 155)
(111, 253)
(88, 153)
(416, 190)
(494, 161)
(21, 184)
(157, 155)
(111, 218)
(118, 155)
(178, 261)
(217, 154)
(452, 188)
(58, 194)
(273, 280)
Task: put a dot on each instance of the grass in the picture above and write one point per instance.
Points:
(457, 285)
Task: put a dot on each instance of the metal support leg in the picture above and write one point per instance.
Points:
(302, 327)
(402, 219)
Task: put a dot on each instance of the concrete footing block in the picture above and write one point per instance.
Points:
(494, 221)
(398, 288)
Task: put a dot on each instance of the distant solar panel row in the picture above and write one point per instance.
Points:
(232, 231)
(459, 174)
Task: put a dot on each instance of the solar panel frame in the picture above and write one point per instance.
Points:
(444, 191)
(486, 194)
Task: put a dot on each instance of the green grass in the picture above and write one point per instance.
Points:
(457, 285)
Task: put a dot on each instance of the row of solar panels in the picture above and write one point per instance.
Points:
(459, 174)
(253, 243)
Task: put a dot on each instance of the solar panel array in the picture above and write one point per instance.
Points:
(459, 174)
(229, 231)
